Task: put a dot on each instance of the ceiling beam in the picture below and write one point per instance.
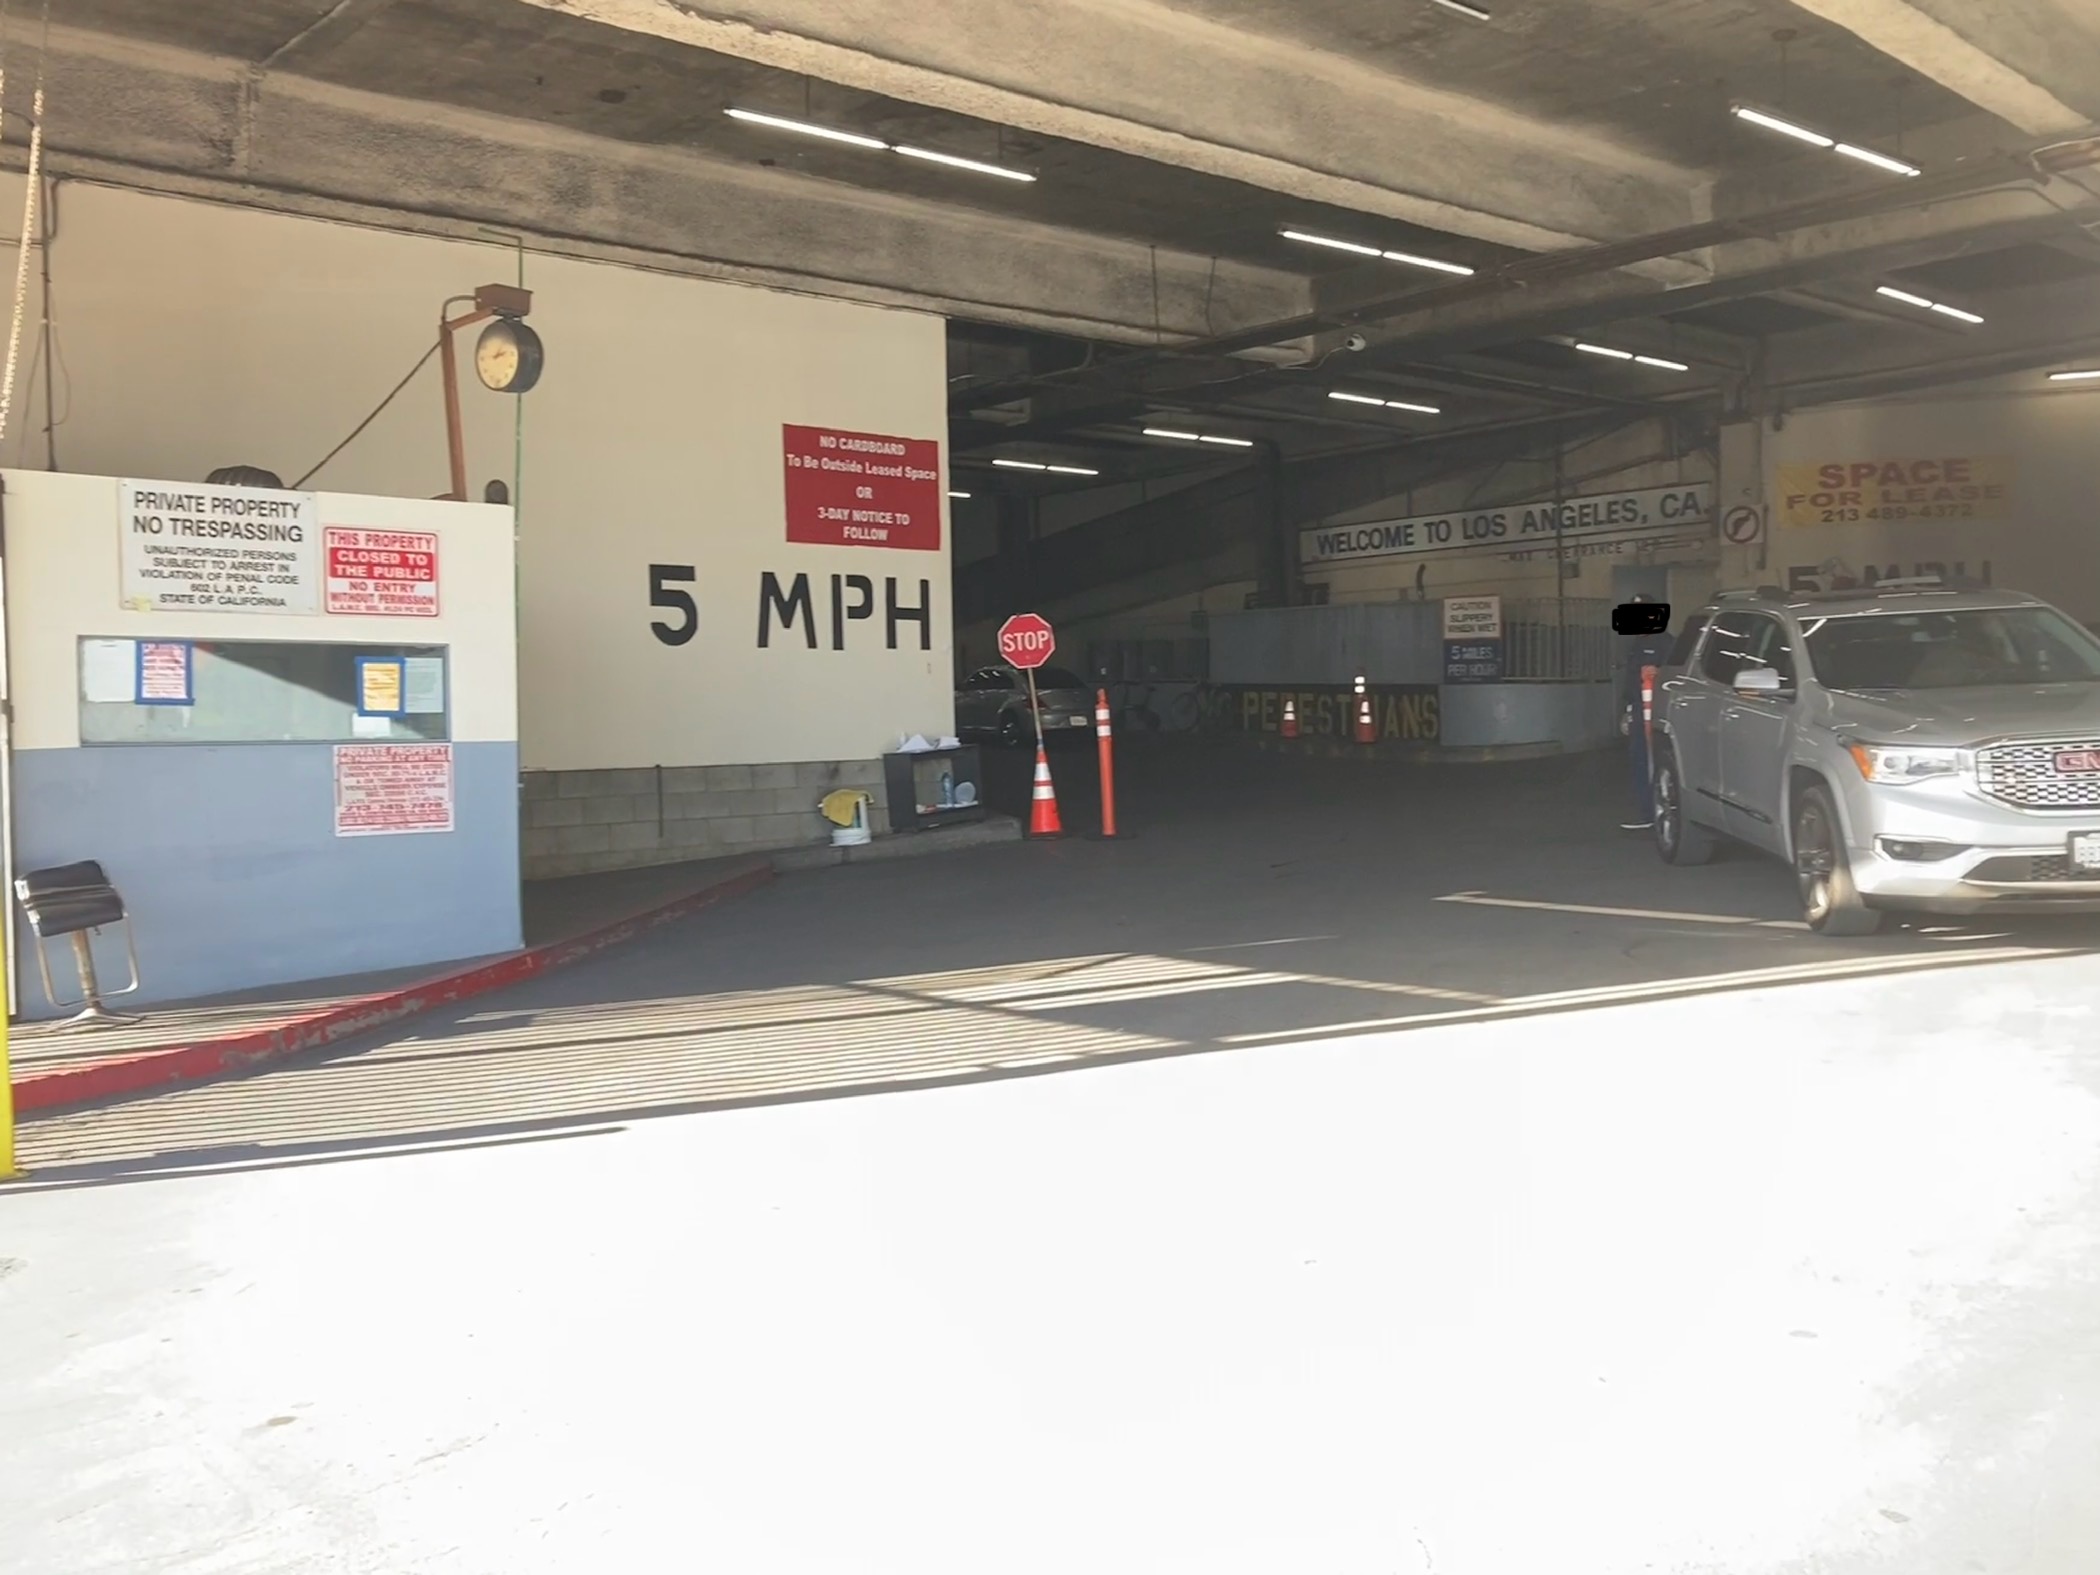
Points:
(320, 36)
(2010, 58)
(175, 122)
(1163, 83)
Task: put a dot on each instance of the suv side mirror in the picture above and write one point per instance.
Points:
(1759, 681)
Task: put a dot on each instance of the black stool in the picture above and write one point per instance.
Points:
(77, 901)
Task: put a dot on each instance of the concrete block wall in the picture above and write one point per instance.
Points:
(577, 822)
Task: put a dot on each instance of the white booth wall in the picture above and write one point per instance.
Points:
(230, 855)
(196, 335)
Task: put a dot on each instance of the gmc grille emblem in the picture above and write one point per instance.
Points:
(2078, 762)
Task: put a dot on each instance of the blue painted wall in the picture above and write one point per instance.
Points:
(228, 859)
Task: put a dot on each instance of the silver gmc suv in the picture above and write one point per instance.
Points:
(1904, 749)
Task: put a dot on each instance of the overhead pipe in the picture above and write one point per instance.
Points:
(2031, 168)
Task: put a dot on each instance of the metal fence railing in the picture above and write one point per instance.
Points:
(1548, 638)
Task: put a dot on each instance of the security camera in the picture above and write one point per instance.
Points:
(1356, 342)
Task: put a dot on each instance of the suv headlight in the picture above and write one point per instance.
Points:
(1891, 764)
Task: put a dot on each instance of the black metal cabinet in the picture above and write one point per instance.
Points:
(925, 788)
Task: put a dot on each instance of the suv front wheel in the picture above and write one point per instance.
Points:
(1677, 838)
(1829, 901)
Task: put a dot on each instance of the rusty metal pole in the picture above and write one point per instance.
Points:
(455, 436)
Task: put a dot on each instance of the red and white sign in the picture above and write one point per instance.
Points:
(384, 790)
(856, 489)
(1026, 640)
(381, 573)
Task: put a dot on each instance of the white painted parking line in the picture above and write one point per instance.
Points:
(1629, 994)
(1480, 900)
(1248, 946)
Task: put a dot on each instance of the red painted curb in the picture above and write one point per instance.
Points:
(151, 1069)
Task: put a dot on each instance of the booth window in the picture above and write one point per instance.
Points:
(176, 691)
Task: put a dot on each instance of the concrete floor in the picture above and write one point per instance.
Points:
(1234, 1200)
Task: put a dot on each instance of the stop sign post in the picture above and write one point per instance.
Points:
(1026, 640)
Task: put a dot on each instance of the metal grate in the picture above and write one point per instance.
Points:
(2025, 776)
(2019, 869)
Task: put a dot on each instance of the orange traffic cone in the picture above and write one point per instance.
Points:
(1366, 727)
(1290, 718)
(1043, 819)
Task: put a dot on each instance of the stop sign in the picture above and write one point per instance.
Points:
(1026, 641)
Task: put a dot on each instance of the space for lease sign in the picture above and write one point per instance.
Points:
(392, 789)
(1857, 491)
(382, 573)
(192, 547)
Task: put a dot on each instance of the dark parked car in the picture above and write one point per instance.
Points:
(993, 702)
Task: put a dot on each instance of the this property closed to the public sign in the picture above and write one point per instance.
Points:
(860, 489)
(382, 573)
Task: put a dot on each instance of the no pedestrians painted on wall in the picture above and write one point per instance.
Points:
(382, 573)
(192, 547)
(859, 489)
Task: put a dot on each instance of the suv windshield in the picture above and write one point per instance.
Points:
(1950, 650)
(1058, 678)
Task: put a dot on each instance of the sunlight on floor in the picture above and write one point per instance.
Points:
(504, 1069)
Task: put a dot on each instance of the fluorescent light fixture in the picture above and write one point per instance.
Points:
(1229, 442)
(958, 494)
(1071, 470)
(1610, 353)
(808, 130)
(963, 164)
(1357, 248)
(1464, 9)
(1786, 128)
(1427, 262)
(1018, 464)
(1340, 246)
(2074, 377)
(1880, 161)
(1390, 404)
(1851, 150)
(1185, 437)
(1922, 304)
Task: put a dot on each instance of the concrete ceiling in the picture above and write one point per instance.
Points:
(1141, 275)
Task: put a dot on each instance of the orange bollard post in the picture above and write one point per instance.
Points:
(1366, 725)
(1648, 707)
(1290, 717)
(1105, 739)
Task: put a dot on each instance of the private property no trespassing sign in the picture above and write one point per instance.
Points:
(381, 573)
